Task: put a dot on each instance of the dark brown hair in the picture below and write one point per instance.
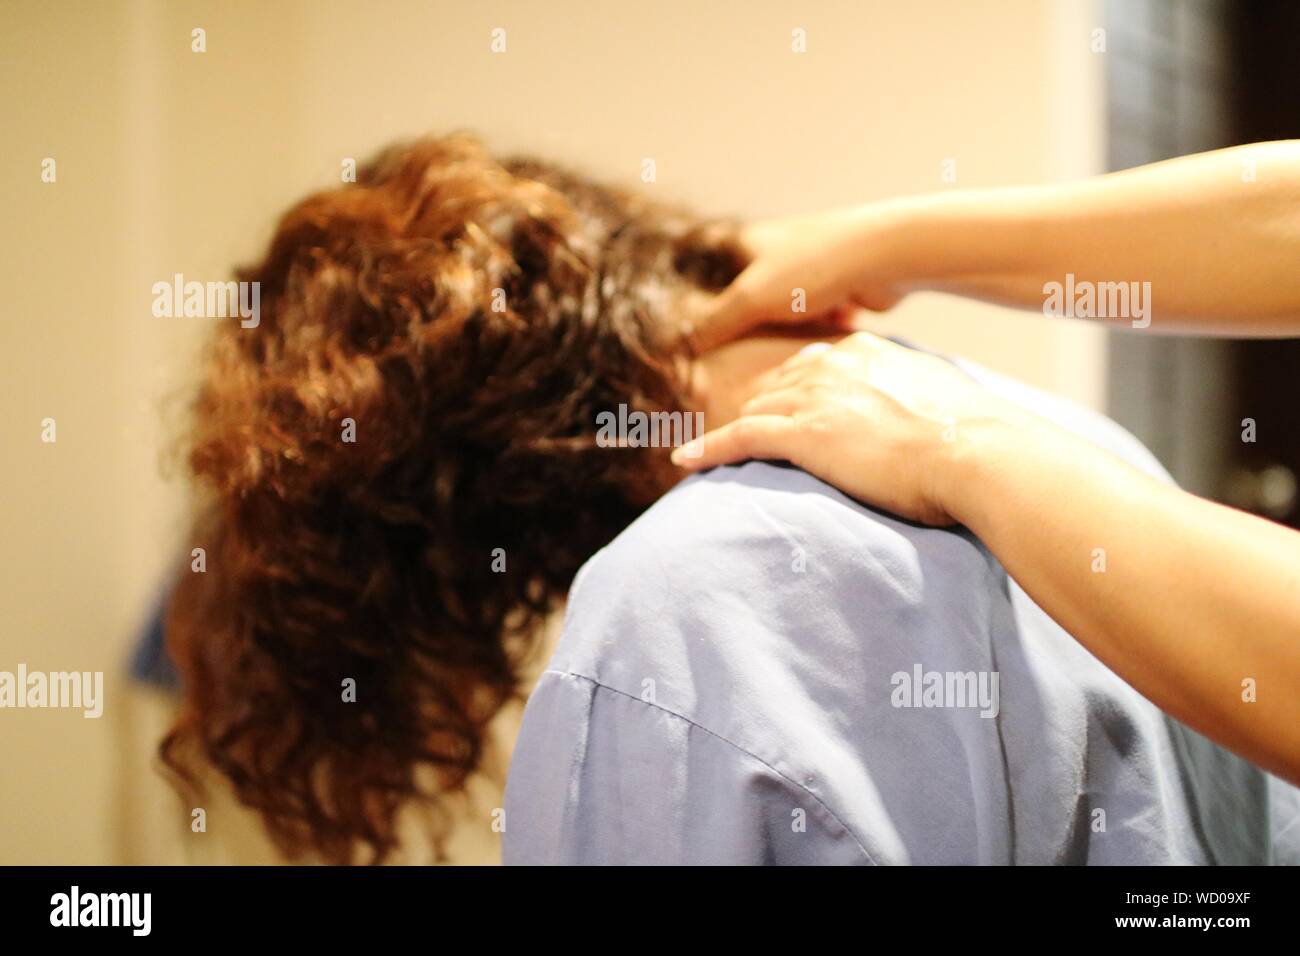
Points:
(470, 317)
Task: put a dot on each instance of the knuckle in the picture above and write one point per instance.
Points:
(823, 391)
(861, 342)
(744, 431)
(839, 362)
(812, 425)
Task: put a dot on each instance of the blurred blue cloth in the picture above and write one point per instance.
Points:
(149, 660)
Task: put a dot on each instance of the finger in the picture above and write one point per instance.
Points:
(728, 316)
(795, 368)
(806, 355)
(759, 436)
(804, 363)
(866, 339)
(852, 319)
(781, 401)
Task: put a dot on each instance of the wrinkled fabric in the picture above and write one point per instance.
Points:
(727, 691)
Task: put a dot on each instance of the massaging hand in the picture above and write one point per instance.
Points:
(1168, 224)
(879, 421)
(804, 268)
(909, 433)
(906, 432)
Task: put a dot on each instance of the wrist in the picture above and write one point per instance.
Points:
(961, 241)
(896, 239)
(981, 455)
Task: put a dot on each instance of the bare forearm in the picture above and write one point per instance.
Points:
(1217, 236)
(1195, 605)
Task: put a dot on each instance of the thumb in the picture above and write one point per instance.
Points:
(728, 315)
(753, 436)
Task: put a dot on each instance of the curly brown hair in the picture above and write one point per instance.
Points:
(470, 317)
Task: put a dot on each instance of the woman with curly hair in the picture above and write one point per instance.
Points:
(399, 473)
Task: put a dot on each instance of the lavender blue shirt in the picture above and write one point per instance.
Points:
(760, 670)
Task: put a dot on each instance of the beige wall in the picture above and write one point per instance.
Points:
(171, 161)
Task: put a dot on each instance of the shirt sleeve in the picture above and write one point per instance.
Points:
(602, 777)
